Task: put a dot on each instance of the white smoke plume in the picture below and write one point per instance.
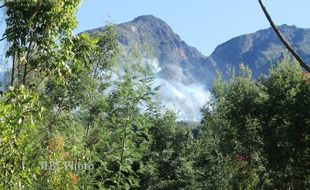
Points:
(185, 99)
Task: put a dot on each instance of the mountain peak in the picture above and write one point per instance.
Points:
(151, 21)
(145, 18)
(171, 51)
(288, 26)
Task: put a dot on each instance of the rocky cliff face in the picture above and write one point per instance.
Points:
(178, 61)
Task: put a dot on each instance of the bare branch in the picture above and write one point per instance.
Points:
(283, 40)
(5, 37)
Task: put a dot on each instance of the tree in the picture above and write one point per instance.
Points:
(169, 154)
(118, 129)
(40, 38)
(48, 65)
(286, 127)
(259, 129)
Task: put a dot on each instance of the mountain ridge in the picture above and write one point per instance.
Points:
(258, 50)
(261, 49)
(186, 75)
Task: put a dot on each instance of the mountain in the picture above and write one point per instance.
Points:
(181, 70)
(177, 60)
(185, 75)
(5, 77)
(261, 49)
(181, 62)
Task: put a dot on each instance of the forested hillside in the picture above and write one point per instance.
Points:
(73, 117)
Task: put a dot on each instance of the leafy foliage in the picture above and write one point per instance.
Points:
(19, 111)
(260, 128)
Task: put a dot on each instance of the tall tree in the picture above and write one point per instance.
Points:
(48, 65)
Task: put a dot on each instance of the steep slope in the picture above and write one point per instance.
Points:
(261, 49)
(182, 71)
(152, 36)
(178, 60)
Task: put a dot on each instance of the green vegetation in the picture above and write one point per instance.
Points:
(69, 120)
(257, 132)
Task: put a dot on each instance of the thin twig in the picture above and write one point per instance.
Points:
(5, 37)
(283, 40)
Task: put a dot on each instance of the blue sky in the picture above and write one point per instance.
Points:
(203, 24)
